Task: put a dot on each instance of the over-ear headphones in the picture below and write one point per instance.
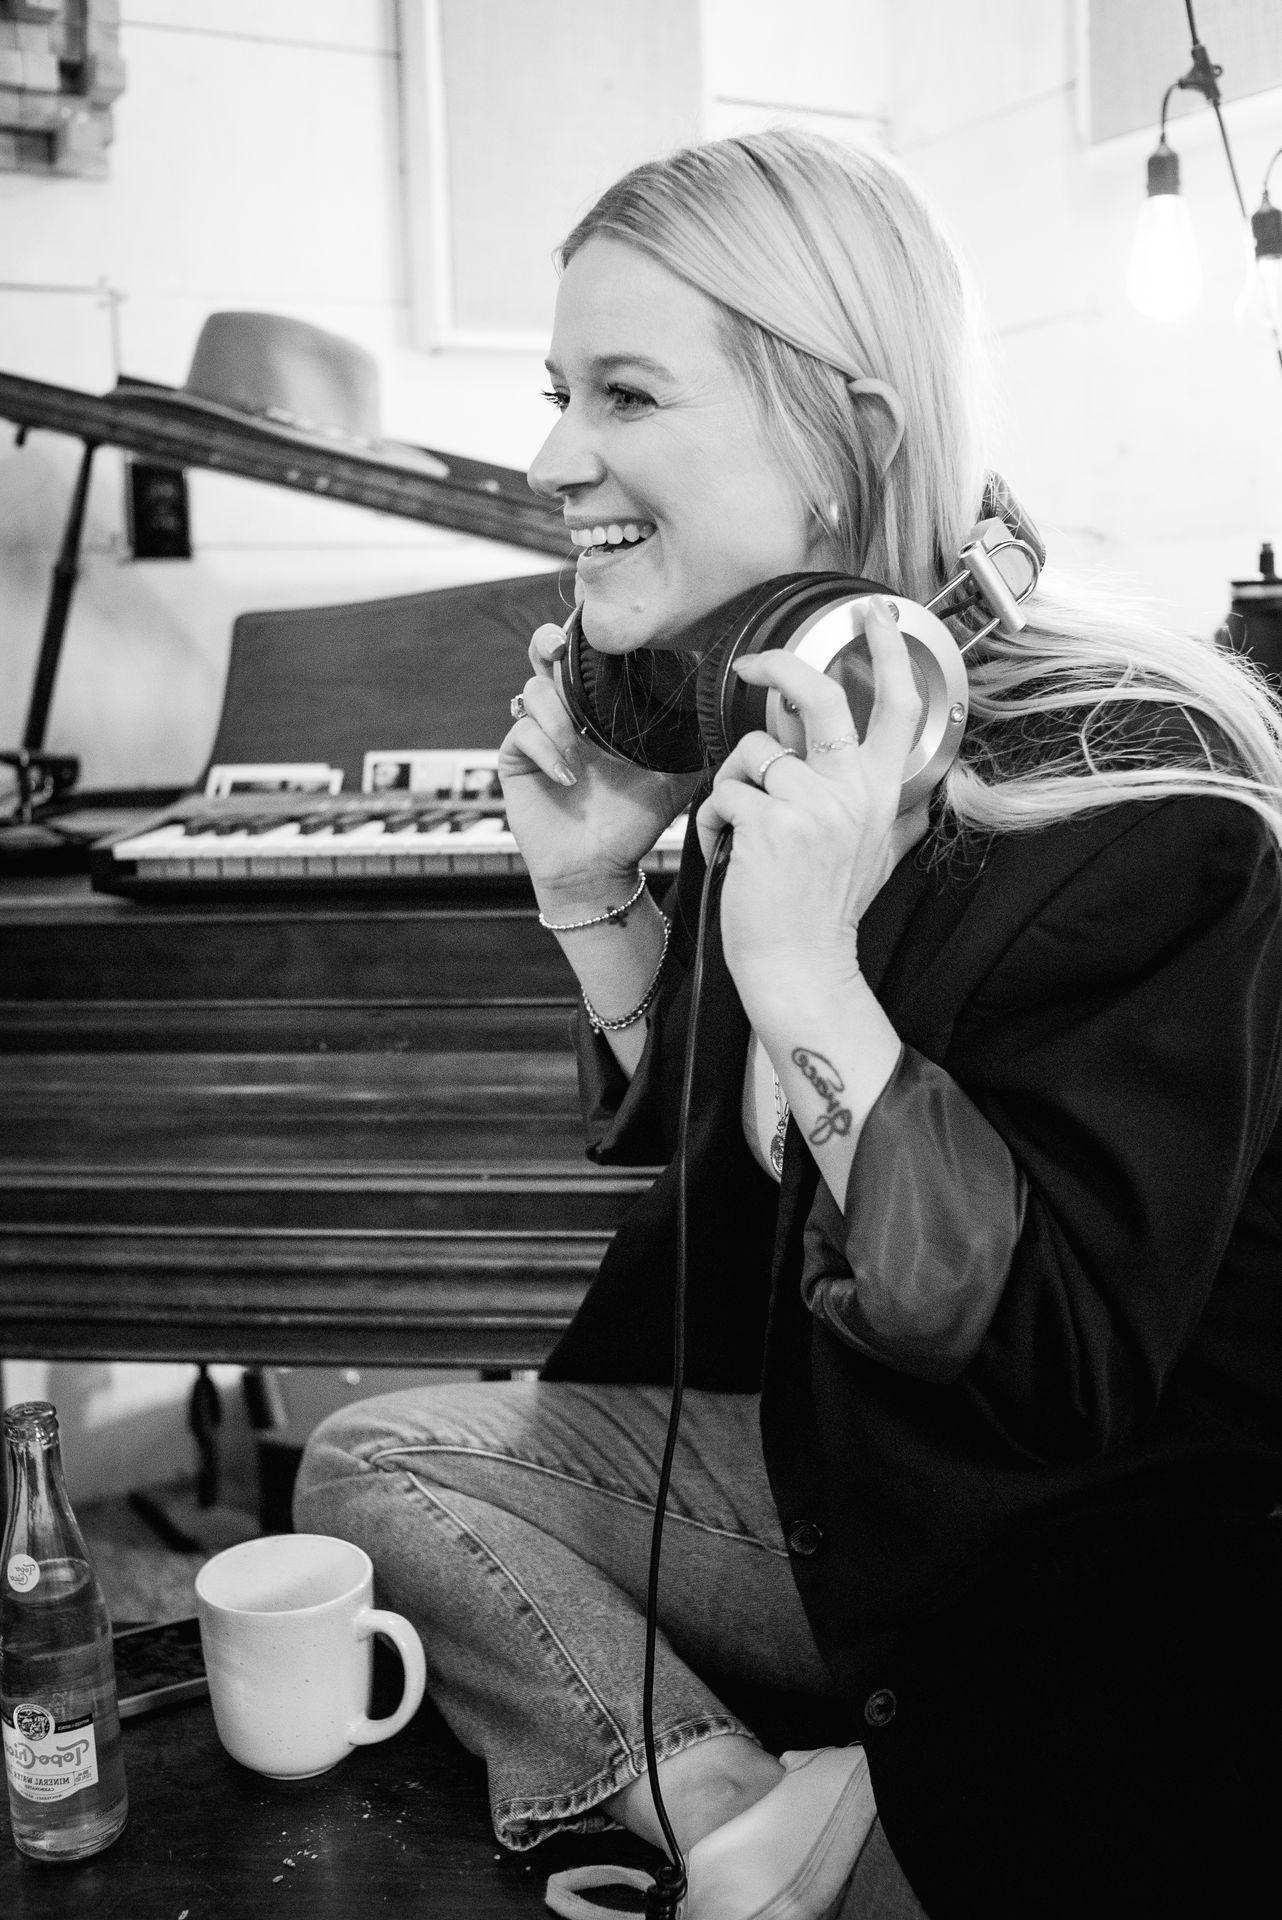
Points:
(681, 709)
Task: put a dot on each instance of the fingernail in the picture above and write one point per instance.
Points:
(557, 648)
(562, 773)
(885, 607)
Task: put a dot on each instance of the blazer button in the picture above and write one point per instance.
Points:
(879, 1708)
(805, 1538)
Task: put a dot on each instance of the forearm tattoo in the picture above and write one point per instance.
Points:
(828, 1084)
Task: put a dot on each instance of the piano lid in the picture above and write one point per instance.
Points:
(446, 489)
(434, 669)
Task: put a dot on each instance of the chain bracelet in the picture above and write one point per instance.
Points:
(599, 1025)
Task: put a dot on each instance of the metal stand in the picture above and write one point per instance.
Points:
(66, 571)
(43, 777)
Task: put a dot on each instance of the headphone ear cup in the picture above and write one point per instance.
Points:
(637, 706)
(729, 707)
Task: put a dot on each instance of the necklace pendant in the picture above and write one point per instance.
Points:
(776, 1145)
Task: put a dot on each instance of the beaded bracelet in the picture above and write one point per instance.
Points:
(598, 1025)
(598, 919)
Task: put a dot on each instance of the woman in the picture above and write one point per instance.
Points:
(982, 1433)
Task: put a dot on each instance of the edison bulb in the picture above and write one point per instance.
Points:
(1165, 277)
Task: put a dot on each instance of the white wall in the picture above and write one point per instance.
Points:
(1152, 451)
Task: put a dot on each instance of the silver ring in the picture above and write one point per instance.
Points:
(783, 753)
(830, 746)
(516, 706)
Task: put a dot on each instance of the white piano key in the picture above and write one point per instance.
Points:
(202, 846)
(323, 840)
(358, 840)
(141, 845)
(272, 840)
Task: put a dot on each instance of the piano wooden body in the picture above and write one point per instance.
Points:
(334, 1125)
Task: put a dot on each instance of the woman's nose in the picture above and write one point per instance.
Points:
(566, 460)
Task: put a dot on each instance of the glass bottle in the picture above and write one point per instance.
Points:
(58, 1715)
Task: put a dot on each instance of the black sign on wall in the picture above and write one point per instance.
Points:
(156, 503)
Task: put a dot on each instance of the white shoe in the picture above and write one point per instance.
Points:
(791, 1855)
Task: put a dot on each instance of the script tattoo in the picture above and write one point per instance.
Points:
(827, 1083)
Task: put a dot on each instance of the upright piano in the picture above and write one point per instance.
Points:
(304, 1118)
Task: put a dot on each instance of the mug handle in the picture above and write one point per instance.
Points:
(394, 1627)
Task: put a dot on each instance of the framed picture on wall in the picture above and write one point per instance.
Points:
(503, 151)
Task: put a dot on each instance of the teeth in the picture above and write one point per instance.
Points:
(615, 534)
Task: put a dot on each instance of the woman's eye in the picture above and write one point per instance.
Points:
(628, 399)
(621, 400)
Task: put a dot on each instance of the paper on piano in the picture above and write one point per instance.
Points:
(454, 773)
(289, 776)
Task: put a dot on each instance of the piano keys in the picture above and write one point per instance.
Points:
(292, 843)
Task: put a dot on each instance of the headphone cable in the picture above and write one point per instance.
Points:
(663, 1899)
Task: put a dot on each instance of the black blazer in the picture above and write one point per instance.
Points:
(1108, 994)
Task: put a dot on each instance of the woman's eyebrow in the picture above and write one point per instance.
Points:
(607, 363)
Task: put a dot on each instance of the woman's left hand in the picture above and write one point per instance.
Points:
(816, 841)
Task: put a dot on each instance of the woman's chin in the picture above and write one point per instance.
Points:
(611, 629)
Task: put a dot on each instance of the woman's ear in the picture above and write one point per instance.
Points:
(892, 433)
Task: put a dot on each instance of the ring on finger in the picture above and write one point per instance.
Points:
(831, 746)
(517, 707)
(782, 753)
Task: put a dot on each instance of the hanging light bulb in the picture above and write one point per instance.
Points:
(1261, 295)
(1164, 281)
(1266, 230)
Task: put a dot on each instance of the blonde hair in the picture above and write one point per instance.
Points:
(828, 269)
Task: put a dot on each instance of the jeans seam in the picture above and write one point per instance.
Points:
(549, 1631)
(398, 1454)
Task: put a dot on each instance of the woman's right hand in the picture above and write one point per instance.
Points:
(582, 836)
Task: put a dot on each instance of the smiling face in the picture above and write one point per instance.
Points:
(671, 489)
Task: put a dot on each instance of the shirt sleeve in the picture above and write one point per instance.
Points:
(627, 1122)
(910, 1272)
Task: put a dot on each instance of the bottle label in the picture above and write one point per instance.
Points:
(23, 1572)
(48, 1759)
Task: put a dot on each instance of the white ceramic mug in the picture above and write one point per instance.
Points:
(287, 1625)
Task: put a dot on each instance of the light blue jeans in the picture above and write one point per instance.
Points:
(511, 1523)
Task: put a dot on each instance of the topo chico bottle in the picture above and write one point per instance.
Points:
(58, 1717)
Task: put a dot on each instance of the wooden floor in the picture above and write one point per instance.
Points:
(143, 1578)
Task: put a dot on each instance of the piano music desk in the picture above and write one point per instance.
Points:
(326, 1132)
